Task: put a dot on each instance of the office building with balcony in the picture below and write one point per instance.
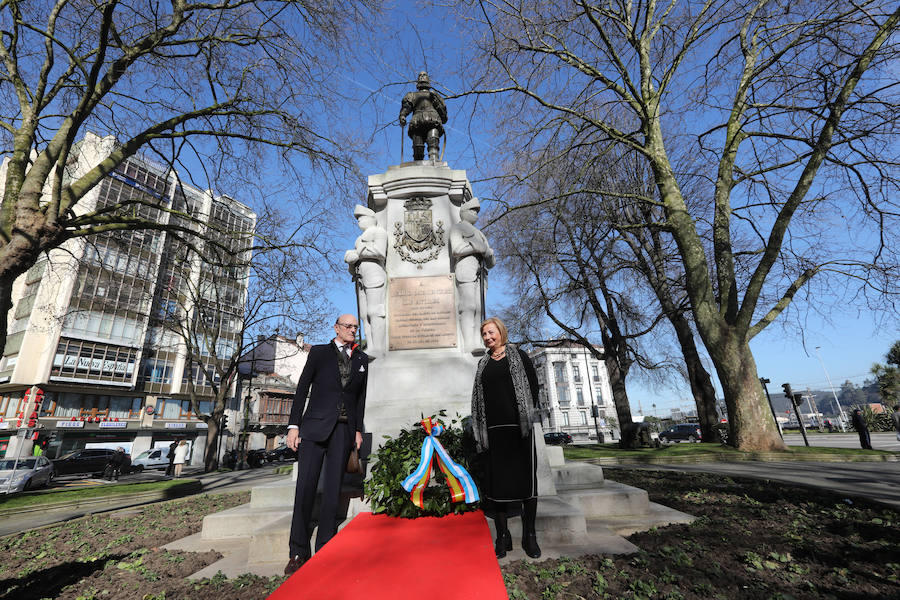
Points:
(574, 392)
(96, 334)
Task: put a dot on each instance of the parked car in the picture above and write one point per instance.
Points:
(281, 453)
(154, 458)
(681, 432)
(557, 438)
(256, 457)
(87, 460)
(28, 474)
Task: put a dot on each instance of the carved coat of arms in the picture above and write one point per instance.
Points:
(418, 234)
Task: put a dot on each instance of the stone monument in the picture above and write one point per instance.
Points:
(420, 268)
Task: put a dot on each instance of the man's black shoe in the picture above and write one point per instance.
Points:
(294, 564)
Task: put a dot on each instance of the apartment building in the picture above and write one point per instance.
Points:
(96, 353)
(574, 392)
(269, 376)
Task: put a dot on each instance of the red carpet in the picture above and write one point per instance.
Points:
(378, 557)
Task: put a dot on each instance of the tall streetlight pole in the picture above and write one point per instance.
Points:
(831, 385)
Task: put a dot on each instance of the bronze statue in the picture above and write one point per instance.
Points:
(429, 113)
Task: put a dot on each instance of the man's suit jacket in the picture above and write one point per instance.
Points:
(321, 382)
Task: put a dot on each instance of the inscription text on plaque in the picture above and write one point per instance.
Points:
(422, 313)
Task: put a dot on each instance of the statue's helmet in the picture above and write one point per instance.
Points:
(422, 81)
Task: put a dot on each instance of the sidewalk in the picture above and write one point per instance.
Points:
(234, 481)
(877, 481)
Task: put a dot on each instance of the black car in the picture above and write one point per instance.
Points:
(258, 457)
(87, 460)
(682, 432)
(281, 453)
(557, 438)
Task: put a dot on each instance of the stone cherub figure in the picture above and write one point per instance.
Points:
(366, 261)
(470, 251)
(429, 113)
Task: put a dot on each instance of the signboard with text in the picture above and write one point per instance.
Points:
(422, 313)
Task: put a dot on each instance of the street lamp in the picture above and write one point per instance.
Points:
(831, 385)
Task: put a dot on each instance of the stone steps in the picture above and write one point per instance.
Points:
(587, 515)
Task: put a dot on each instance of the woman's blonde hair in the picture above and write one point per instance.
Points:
(504, 334)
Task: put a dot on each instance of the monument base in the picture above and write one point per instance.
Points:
(405, 386)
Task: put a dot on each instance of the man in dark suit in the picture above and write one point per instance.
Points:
(335, 379)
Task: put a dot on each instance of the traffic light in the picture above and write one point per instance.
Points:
(788, 393)
(224, 422)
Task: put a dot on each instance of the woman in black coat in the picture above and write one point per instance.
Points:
(504, 398)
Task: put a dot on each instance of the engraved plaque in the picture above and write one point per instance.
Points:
(422, 313)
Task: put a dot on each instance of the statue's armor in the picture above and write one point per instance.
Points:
(428, 112)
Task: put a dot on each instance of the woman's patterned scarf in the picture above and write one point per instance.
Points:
(521, 388)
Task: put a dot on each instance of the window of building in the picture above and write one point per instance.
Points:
(10, 405)
(576, 373)
(68, 404)
(559, 371)
(275, 408)
(78, 359)
(157, 371)
(565, 417)
(583, 414)
(600, 401)
(579, 396)
(595, 372)
(562, 395)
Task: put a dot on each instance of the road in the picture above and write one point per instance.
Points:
(880, 441)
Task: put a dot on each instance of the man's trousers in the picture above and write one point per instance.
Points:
(332, 455)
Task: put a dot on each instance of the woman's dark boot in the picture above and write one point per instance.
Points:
(504, 539)
(529, 537)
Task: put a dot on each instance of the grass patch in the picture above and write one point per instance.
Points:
(53, 496)
(713, 451)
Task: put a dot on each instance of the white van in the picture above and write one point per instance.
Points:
(154, 458)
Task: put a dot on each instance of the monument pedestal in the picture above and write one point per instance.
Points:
(405, 386)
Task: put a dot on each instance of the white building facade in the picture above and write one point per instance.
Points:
(574, 392)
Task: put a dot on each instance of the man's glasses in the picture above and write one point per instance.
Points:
(349, 326)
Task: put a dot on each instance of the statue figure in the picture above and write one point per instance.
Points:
(429, 113)
(366, 261)
(473, 256)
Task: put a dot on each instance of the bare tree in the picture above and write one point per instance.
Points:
(787, 113)
(565, 259)
(227, 86)
(220, 310)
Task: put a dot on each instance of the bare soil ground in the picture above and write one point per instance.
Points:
(752, 540)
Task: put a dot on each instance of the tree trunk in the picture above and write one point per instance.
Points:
(750, 423)
(211, 456)
(627, 435)
(6, 284)
(701, 384)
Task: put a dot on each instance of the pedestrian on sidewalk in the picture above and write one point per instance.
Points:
(859, 423)
(114, 465)
(170, 470)
(181, 451)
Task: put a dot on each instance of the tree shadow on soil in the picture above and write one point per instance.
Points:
(49, 583)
